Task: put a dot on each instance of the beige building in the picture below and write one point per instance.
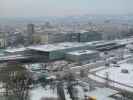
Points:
(45, 37)
(40, 37)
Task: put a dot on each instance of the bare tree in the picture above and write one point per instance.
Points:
(60, 91)
(16, 81)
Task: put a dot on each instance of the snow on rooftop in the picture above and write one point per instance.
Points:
(125, 41)
(96, 42)
(15, 50)
(56, 46)
(12, 57)
(80, 52)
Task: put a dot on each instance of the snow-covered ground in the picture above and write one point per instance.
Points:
(121, 80)
(40, 92)
(116, 74)
(99, 93)
(102, 93)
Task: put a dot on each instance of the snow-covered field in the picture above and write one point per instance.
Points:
(115, 74)
(121, 80)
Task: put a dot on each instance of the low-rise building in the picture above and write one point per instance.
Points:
(83, 55)
(58, 50)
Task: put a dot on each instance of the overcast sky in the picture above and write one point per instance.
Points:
(40, 8)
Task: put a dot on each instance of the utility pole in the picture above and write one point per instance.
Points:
(107, 79)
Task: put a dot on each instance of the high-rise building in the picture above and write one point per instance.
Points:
(30, 32)
(30, 29)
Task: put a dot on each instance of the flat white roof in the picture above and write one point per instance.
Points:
(12, 57)
(57, 46)
(80, 52)
(96, 42)
(13, 50)
(125, 41)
